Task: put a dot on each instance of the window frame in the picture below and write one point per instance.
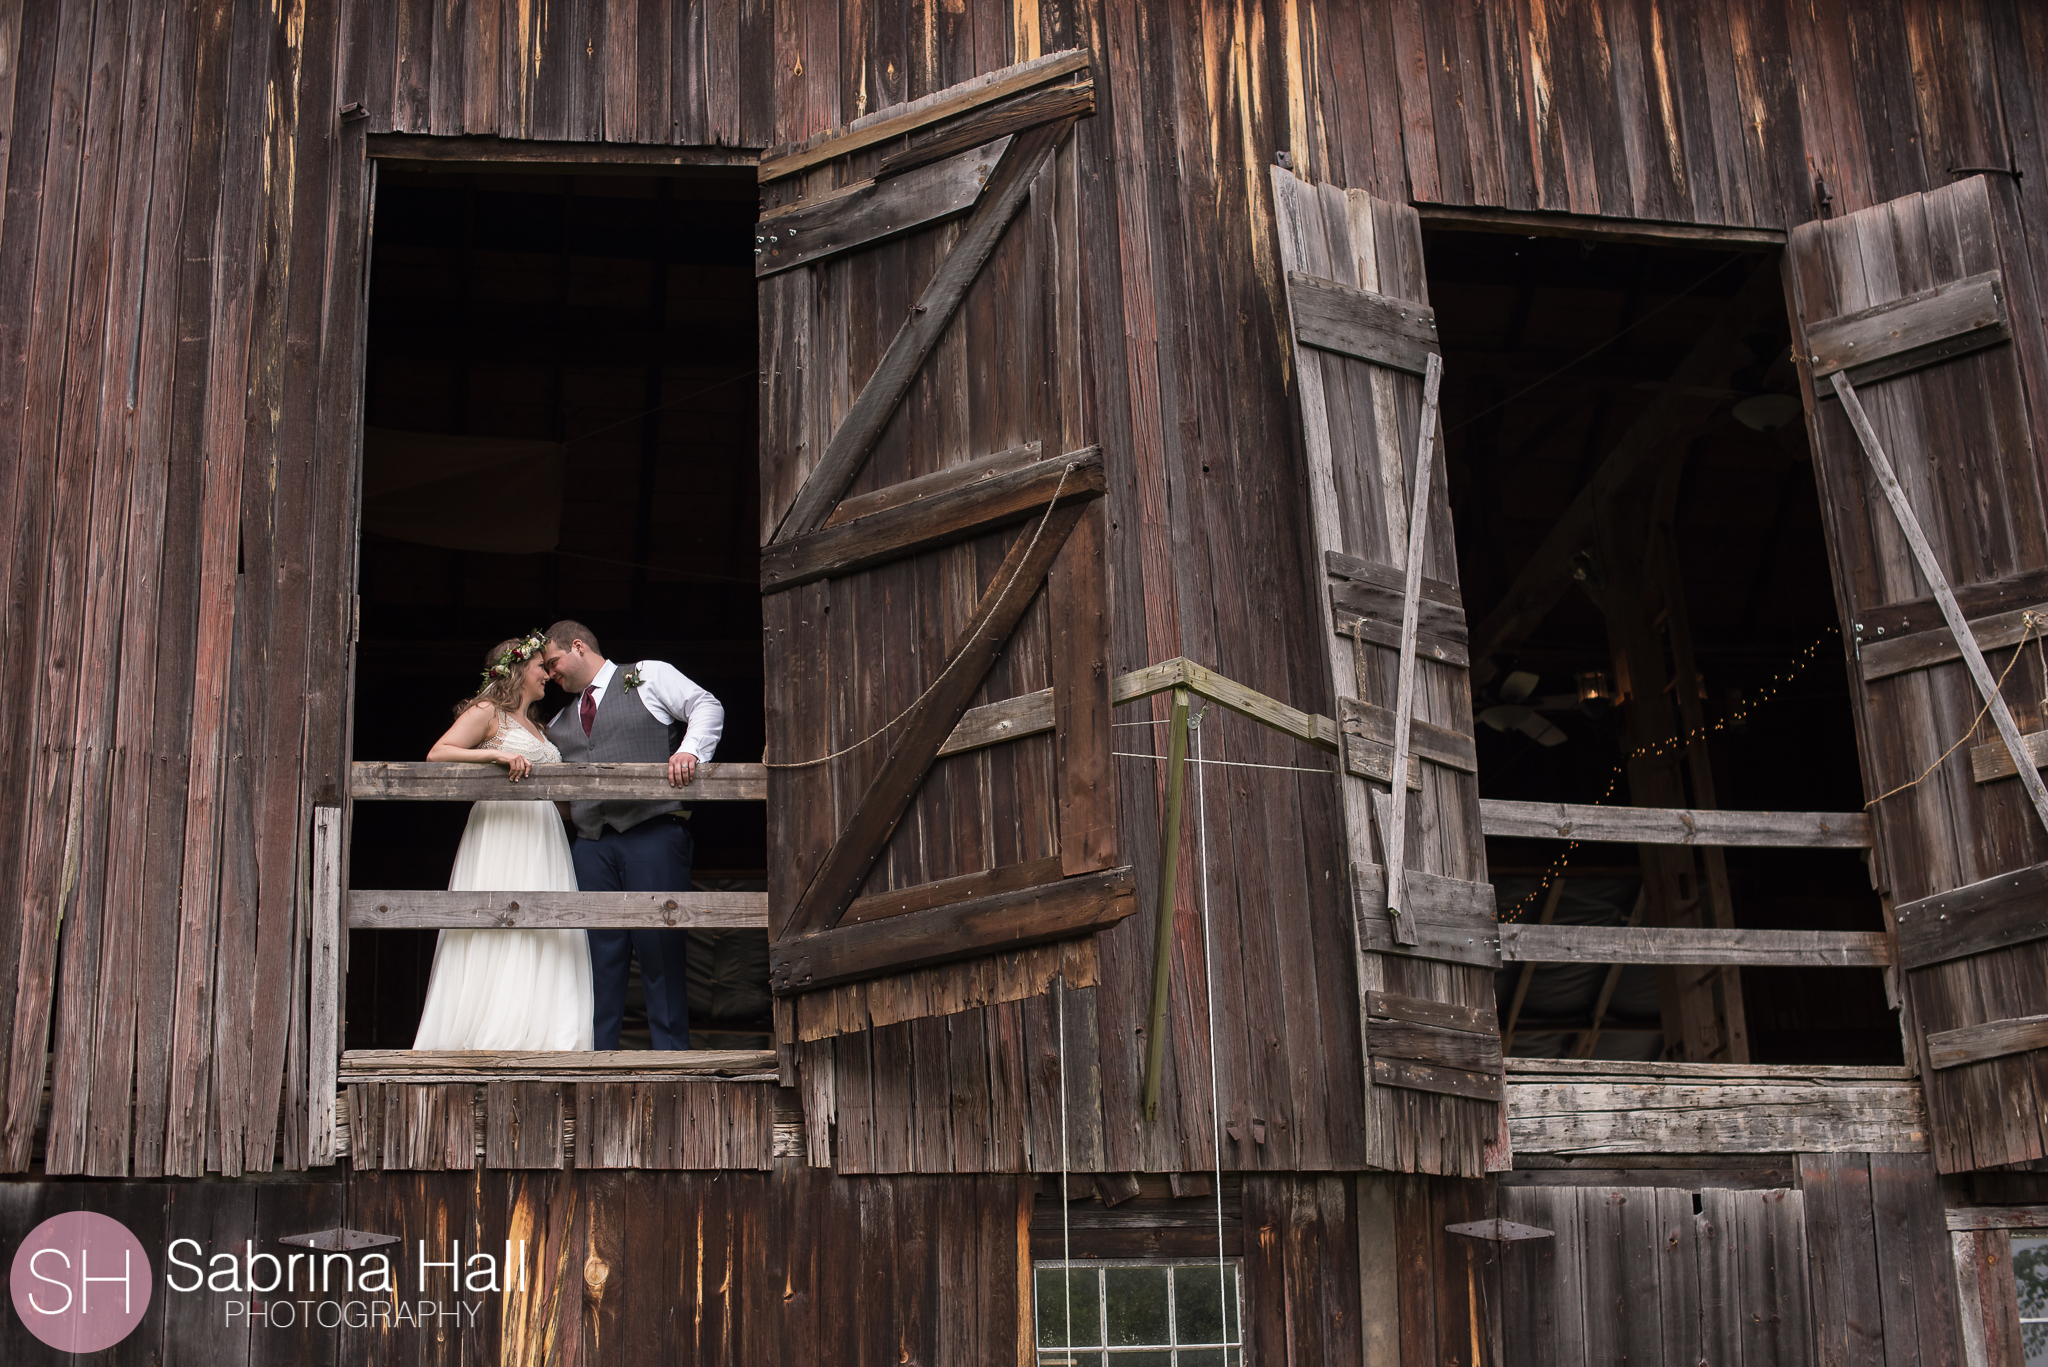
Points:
(1106, 1354)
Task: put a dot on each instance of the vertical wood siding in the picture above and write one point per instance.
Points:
(181, 256)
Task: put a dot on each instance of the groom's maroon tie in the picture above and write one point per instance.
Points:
(589, 709)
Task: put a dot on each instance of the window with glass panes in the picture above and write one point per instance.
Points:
(1110, 1314)
(2030, 1279)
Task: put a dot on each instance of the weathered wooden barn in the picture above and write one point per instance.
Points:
(1385, 668)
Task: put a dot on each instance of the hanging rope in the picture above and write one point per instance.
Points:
(2027, 625)
(889, 725)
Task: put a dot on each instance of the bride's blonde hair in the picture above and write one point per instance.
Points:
(503, 664)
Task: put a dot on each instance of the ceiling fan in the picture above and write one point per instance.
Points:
(1517, 712)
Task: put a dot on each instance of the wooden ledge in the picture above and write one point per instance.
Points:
(615, 1065)
(1564, 1069)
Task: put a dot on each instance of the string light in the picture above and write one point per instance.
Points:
(1737, 715)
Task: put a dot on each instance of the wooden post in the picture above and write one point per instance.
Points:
(1396, 831)
(1951, 613)
(1169, 881)
(324, 1002)
(1507, 1034)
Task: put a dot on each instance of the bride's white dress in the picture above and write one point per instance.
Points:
(510, 989)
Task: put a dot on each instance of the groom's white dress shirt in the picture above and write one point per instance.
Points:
(669, 696)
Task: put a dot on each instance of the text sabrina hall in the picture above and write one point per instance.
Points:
(334, 1281)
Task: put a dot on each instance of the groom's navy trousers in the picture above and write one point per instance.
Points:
(653, 856)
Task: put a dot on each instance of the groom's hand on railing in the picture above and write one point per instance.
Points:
(682, 767)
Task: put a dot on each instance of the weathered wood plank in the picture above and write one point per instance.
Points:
(1028, 714)
(422, 782)
(323, 1044)
(1380, 607)
(396, 910)
(1167, 894)
(372, 1065)
(1370, 725)
(1370, 574)
(1421, 1011)
(903, 119)
(938, 482)
(1994, 761)
(1011, 920)
(940, 519)
(1430, 1077)
(2009, 909)
(1362, 323)
(872, 211)
(1462, 1049)
(1985, 599)
(1904, 334)
(1450, 920)
(1993, 1039)
(1997, 1217)
(1881, 659)
(1428, 644)
(1647, 1116)
(1556, 944)
(1026, 111)
(1675, 825)
(924, 896)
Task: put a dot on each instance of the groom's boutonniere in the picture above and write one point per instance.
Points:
(633, 679)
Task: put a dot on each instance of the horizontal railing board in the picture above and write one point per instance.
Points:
(1675, 825)
(1759, 1113)
(418, 1065)
(1761, 1074)
(392, 910)
(1556, 944)
(394, 780)
(1883, 659)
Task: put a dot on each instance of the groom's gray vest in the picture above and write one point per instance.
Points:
(622, 732)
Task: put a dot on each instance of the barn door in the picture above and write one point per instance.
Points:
(1365, 357)
(1921, 352)
(932, 559)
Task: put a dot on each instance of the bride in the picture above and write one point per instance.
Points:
(508, 989)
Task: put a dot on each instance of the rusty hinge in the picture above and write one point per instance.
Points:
(339, 1240)
(1499, 1231)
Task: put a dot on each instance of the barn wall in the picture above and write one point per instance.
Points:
(179, 285)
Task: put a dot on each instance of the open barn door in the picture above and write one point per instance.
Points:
(1922, 357)
(932, 561)
(1366, 363)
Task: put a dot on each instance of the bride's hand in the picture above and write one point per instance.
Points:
(517, 767)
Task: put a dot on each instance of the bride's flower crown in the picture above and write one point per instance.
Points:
(515, 658)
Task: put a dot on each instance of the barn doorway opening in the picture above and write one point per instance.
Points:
(1654, 624)
(560, 422)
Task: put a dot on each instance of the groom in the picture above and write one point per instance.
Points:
(645, 713)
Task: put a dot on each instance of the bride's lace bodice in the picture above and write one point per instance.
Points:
(516, 739)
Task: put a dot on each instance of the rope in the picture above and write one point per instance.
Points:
(1225, 763)
(889, 725)
(2028, 623)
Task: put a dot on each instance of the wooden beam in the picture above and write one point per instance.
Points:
(371, 780)
(1014, 116)
(375, 910)
(1675, 825)
(958, 514)
(1881, 659)
(1451, 920)
(429, 1065)
(1984, 599)
(1993, 1039)
(1169, 887)
(993, 723)
(1431, 1077)
(1548, 573)
(1360, 323)
(1592, 227)
(938, 482)
(1961, 1219)
(581, 158)
(987, 925)
(920, 733)
(1994, 761)
(1033, 873)
(1368, 724)
(872, 211)
(1746, 1111)
(901, 120)
(1528, 973)
(1418, 1043)
(1904, 334)
(1396, 831)
(1693, 945)
(929, 317)
(2008, 909)
(323, 1036)
(1931, 571)
(1312, 727)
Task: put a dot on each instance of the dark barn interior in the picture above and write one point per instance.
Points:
(1560, 352)
(560, 422)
